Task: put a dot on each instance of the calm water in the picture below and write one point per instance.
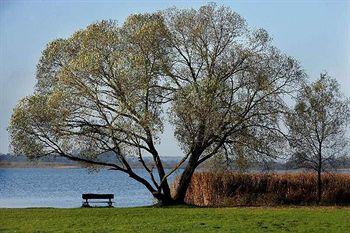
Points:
(44, 187)
(37, 187)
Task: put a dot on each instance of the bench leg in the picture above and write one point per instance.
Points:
(110, 204)
(85, 203)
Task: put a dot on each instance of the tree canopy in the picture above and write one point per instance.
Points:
(111, 88)
(318, 126)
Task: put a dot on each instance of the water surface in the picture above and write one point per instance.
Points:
(46, 187)
(62, 188)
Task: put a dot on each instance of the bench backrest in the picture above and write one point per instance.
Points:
(97, 196)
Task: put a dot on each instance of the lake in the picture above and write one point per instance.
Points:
(45, 187)
(62, 188)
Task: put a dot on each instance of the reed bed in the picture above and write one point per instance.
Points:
(257, 189)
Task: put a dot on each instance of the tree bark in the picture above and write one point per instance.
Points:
(165, 185)
(319, 169)
(319, 186)
(185, 179)
(182, 187)
(319, 175)
(164, 200)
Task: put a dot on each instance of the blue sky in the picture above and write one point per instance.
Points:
(317, 33)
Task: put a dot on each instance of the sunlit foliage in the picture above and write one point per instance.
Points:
(110, 88)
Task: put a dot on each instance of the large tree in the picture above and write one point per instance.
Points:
(318, 126)
(110, 88)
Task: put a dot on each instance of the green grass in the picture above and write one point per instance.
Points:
(177, 219)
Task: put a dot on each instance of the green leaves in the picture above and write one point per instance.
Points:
(108, 86)
(98, 87)
(318, 124)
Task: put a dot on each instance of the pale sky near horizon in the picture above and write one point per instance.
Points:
(317, 33)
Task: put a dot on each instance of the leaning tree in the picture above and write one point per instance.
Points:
(318, 126)
(110, 88)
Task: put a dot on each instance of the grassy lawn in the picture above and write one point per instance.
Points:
(177, 219)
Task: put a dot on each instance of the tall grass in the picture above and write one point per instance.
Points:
(235, 189)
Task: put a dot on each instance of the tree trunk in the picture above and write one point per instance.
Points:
(186, 177)
(182, 187)
(165, 185)
(319, 176)
(319, 186)
(164, 200)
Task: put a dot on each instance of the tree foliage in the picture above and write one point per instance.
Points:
(318, 126)
(107, 87)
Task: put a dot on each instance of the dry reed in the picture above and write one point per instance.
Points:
(235, 189)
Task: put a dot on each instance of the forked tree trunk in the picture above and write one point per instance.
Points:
(164, 200)
(179, 193)
(181, 188)
(165, 185)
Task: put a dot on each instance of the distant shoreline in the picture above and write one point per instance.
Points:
(19, 161)
(60, 165)
(57, 165)
(38, 165)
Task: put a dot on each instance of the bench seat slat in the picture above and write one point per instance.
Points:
(97, 196)
(101, 202)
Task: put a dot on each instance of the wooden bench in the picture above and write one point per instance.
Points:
(93, 196)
